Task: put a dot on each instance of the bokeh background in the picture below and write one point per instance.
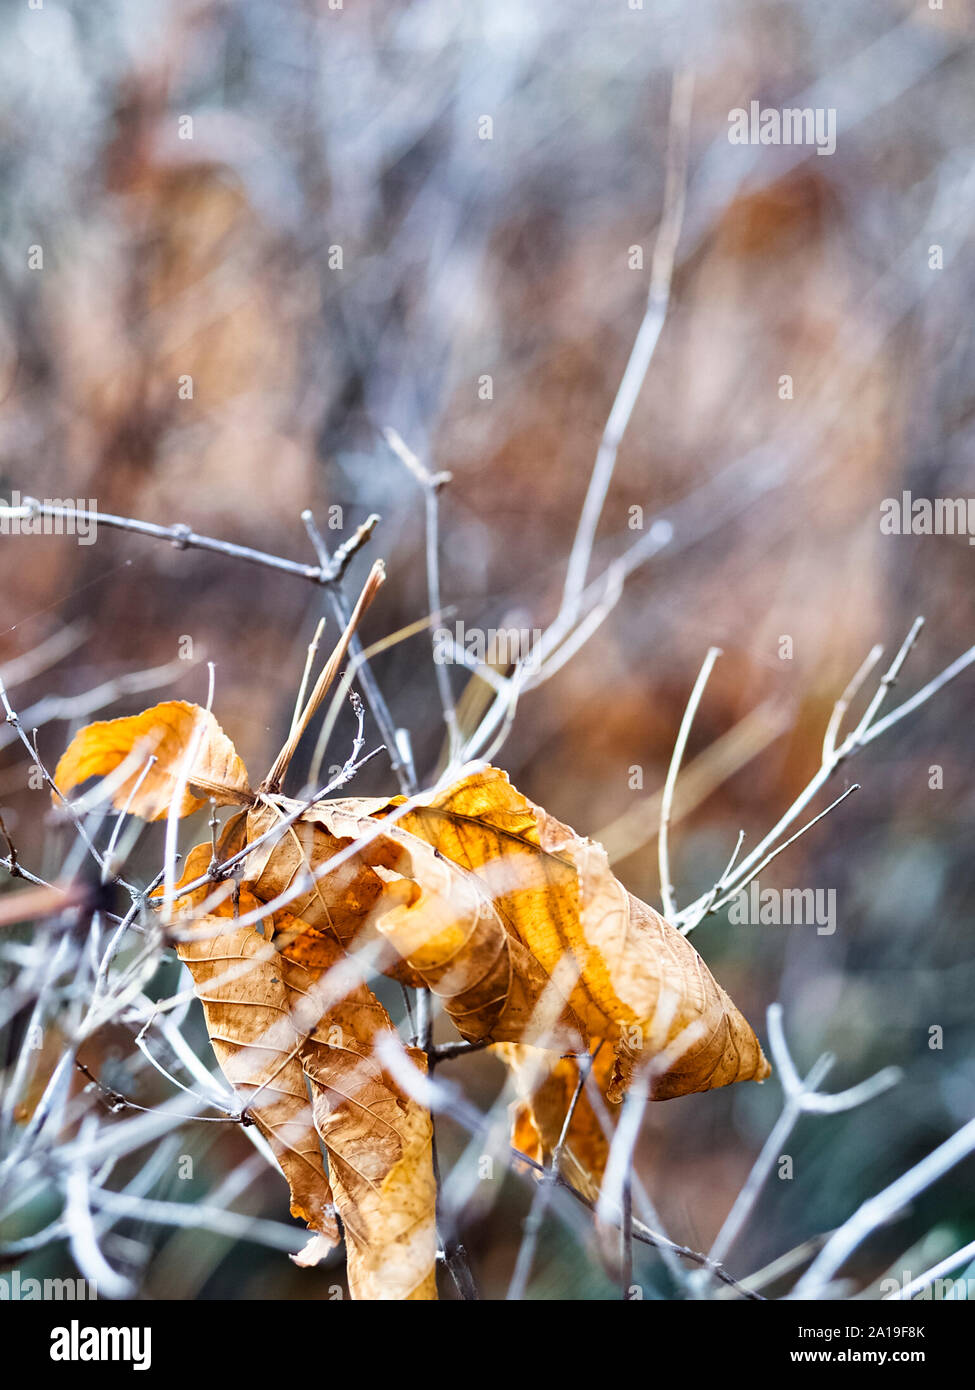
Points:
(316, 129)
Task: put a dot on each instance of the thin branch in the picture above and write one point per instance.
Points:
(774, 854)
(881, 1208)
(833, 758)
(846, 699)
(336, 566)
(13, 719)
(11, 859)
(431, 484)
(950, 673)
(402, 766)
(175, 810)
(71, 707)
(641, 354)
(120, 818)
(542, 1195)
(181, 536)
(83, 1238)
(801, 1096)
(961, 1257)
(306, 673)
(663, 849)
(272, 782)
(46, 654)
(887, 681)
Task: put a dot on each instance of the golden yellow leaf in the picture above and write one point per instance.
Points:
(172, 733)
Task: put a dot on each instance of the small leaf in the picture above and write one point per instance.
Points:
(170, 732)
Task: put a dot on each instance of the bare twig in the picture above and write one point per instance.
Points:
(181, 536)
(542, 1195)
(402, 766)
(663, 851)
(881, 1208)
(431, 484)
(641, 354)
(279, 767)
(53, 649)
(833, 757)
(13, 719)
(717, 903)
(306, 673)
(71, 707)
(944, 1267)
(801, 1096)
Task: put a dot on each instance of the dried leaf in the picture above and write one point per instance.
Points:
(168, 732)
(627, 974)
(518, 924)
(288, 1014)
(440, 921)
(546, 1084)
(342, 905)
(237, 976)
(379, 1141)
(512, 919)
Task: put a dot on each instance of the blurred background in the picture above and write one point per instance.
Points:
(294, 207)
